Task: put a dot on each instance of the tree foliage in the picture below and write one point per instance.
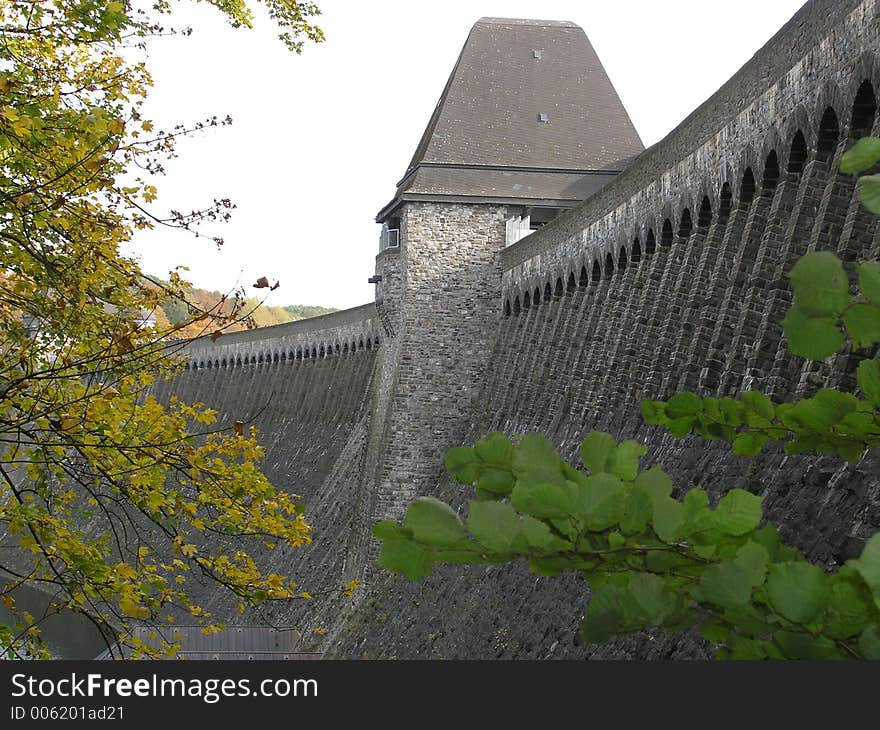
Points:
(110, 499)
(655, 561)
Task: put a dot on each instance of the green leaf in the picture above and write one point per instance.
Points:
(601, 501)
(868, 565)
(495, 525)
(616, 540)
(727, 585)
(695, 511)
(654, 482)
(463, 464)
(749, 443)
(849, 608)
(870, 192)
(612, 610)
(738, 512)
(654, 412)
(744, 649)
(653, 597)
(812, 338)
(862, 157)
(797, 590)
(638, 511)
(684, 404)
(796, 645)
(714, 630)
(668, 518)
(597, 450)
(869, 380)
(758, 403)
(863, 324)
(390, 530)
(539, 536)
(544, 499)
(824, 410)
(753, 559)
(625, 459)
(434, 523)
(495, 450)
(497, 481)
(406, 557)
(869, 642)
(535, 459)
(820, 284)
(869, 281)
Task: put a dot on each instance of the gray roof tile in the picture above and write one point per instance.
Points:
(488, 118)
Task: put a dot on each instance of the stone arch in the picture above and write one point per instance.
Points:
(685, 225)
(571, 285)
(517, 307)
(238, 361)
(666, 235)
(597, 272)
(864, 110)
(585, 277)
(622, 259)
(361, 343)
(548, 292)
(507, 308)
(650, 242)
(536, 296)
(223, 362)
(704, 216)
(771, 171)
(322, 352)
(635, 252)
(609, 265)
(275, 357)
(797, 153)
(829, 134)
(314, 352)
(527, 300)
(210, 364)
(559, 289)
(725, 204)
(336, 349)
(747, 188)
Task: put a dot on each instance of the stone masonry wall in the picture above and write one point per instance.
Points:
(673, 277)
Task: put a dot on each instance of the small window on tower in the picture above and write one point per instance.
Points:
(538, 54)
(544, 118)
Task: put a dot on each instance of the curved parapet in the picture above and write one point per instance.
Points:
(330, 335)
(778, 104)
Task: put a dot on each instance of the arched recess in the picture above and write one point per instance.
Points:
(797, 155)
(585, 277)
(527, 301)
(747, 188)
(548, 292)
(572, 284)
(704, 217)
(559, 290)
(650, 242)
(666, 234)
(609, 265)
(621, 259)
(829, 134)
(507, 307)
(686, 225)
(771, 171)
(635, 254)
(536, 297)
(725, 204)
(517, 307)
(597, 272)
(864, 111)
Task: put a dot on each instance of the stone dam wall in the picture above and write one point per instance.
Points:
(673, 276)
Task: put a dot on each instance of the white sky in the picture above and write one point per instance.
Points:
(319, 140)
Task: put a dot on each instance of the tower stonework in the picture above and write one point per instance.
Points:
(540, 272)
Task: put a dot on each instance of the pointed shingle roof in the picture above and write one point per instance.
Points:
(528, 116)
